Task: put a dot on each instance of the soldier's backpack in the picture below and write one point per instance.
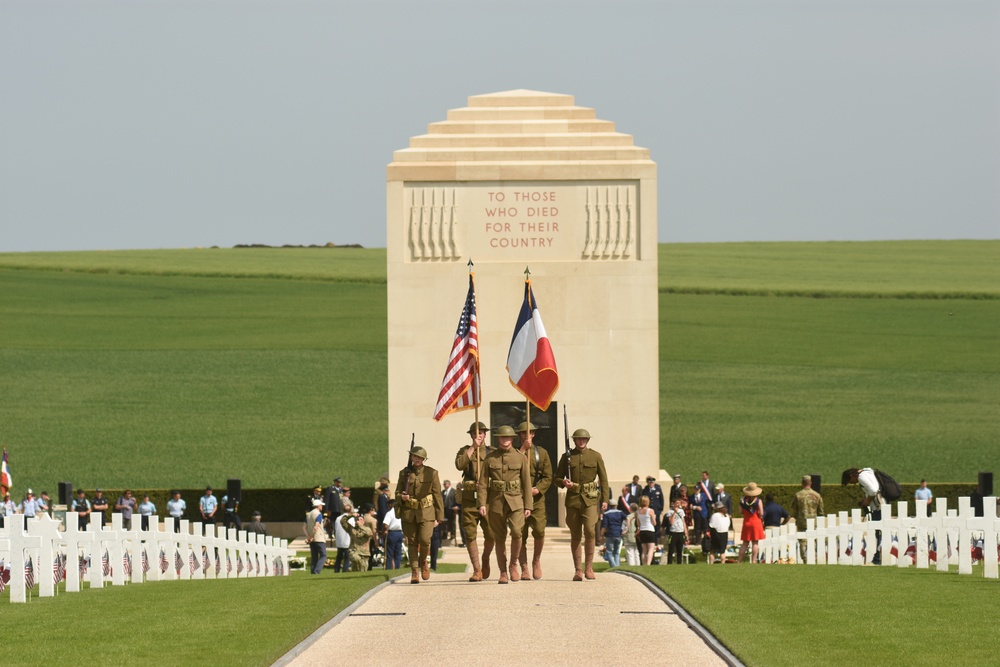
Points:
(888, 487)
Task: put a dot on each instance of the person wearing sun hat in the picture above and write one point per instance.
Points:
(753, 521)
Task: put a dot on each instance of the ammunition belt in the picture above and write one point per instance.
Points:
(414, 503)
(500, 485)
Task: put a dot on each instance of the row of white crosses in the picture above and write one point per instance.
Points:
(43, 539)
(838, 539)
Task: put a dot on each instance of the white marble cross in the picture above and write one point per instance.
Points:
(19, 540)
(74, 538)
(47, 529)
(989, 525)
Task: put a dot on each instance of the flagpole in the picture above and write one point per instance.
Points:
(476, 383)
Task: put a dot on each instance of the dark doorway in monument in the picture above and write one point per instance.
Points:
(512, 413)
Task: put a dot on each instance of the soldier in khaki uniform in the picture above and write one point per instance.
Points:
(418, 495)
(578, 474)
(540, 470)
(807, 504)
(466, 461)
(360, 533)
(504, 494)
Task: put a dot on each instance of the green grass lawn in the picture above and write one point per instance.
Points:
(144, 368)
(219, 622)
(795, 615)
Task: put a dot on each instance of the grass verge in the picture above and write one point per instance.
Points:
(787, 615)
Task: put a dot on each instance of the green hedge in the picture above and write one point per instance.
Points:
(273, 504)
(292, 504)
(837, 498)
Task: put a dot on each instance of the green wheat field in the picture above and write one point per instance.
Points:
(163, 367)
(152, 368)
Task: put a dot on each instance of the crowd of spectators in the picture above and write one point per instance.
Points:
(645, 518)
(97, 507)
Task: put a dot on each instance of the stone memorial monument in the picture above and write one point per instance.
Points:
(515, 180)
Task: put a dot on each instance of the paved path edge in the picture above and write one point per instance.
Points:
(301, 647)
(682, 613)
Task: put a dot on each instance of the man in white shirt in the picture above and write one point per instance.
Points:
(342, 539)
(872, 502)
(393, 537)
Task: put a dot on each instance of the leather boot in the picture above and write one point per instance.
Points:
(589, 552)
(425, 570)
(502, 562)
(414, 575)
(477, 572)
(515, 553)
(536, 558)
(523, 558)
(487, 552)
(577, 571)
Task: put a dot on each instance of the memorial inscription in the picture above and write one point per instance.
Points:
(553, 222)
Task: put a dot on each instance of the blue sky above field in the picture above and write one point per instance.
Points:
(177, 123)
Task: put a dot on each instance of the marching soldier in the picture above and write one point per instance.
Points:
(418, 495)
(577, 474)
(540, 470)
(504, 494)
(466, 461)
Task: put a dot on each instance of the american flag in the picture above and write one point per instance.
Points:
(267, 570)
(29, 574)
(249, 565)
(164, 564)
(4, 576)
(279, 566)
(178, 562)
(257, 562)
(106, 563)
(83, 566)
(57, 570)
(229, 563)
(218, 562)
(460, 386)
(127, 564)
(204, 559)
(192, 563)
(145, 562)
(239, 563)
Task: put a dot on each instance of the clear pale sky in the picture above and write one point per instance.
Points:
(167, 124)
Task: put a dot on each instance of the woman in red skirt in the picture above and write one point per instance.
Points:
(753, 520)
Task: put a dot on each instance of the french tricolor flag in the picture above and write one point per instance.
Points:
(530, 362)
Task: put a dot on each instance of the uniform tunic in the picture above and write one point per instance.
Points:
(807, 504)
(361, 534)
(583, 467)
(470, 507)
(540, 471)
(424, 507)
(505, 490)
